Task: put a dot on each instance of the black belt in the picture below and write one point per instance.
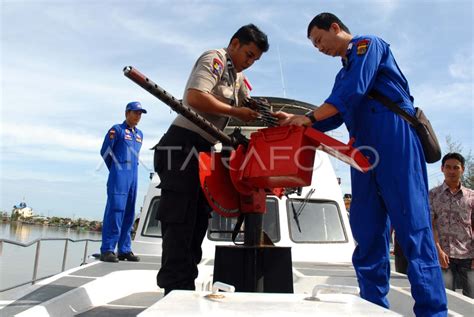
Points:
(190, 137)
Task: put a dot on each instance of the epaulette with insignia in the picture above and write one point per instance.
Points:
(362, 46)
(217, 66)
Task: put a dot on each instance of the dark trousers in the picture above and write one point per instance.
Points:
(181, 249)
(401, 263)
(460, 269)
(183, 210)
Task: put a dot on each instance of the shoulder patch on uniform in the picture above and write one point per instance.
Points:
(111, 133)
(217, 66)
(362, 46)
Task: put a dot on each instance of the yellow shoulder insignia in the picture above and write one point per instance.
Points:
(362, 46)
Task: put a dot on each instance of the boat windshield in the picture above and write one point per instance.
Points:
(152, 227)
(221, 228)
(320, 221)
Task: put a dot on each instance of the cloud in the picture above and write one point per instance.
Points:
(376, 15)
(160, 31)
(385, 8)
(55, 144)
(23, 134)
(456, 97)
(461, 67)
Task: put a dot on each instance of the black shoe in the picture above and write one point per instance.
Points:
(129, 257)
(109, 256)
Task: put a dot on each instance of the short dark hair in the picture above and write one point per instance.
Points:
(250, 33)
(324, 20)
(453, 155)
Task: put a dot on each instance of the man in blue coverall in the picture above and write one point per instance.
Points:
(120, 153)
(396, 189)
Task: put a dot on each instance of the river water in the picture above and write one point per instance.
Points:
(16, 263)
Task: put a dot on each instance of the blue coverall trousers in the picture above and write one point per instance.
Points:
(118, 221)
(373, 209)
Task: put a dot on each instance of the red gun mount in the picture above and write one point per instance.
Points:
(275, 159)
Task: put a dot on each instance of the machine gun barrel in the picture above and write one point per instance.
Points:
(177, 105)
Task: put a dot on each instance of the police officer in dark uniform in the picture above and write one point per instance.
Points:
(120, 153)
(215, 89)
(396, 190)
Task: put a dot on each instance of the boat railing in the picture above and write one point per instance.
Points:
(37, 255)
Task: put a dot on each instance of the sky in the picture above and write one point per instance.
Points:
(62, 85)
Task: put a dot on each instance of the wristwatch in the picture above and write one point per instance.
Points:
(310, 116)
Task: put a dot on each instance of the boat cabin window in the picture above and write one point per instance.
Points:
(220, 228)
(152, 227)
(319, 221)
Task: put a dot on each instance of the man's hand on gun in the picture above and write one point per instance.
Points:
(245, 114)
(273, 119)
(326, 110)
(263, 108)
(291, 119)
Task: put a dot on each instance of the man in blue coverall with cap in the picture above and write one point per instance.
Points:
(120, 153)
(395, 191)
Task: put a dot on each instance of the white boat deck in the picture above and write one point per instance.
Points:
(129, 289)
(231, 304)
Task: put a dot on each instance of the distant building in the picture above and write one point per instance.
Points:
(22, 210)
